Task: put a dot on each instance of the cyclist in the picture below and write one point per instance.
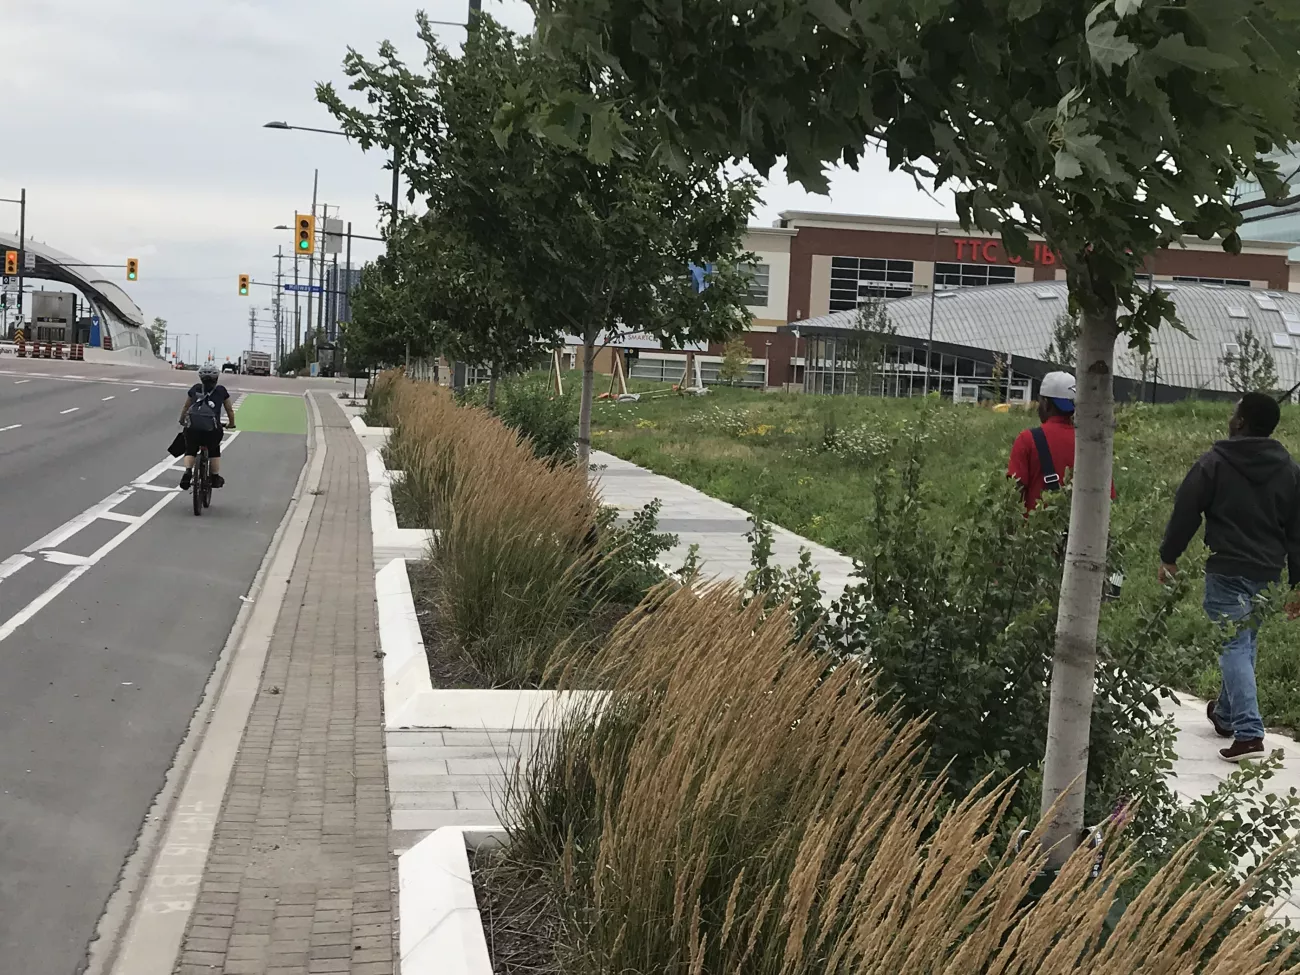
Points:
(201, 418)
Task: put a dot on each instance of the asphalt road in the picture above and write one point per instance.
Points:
(110, 625)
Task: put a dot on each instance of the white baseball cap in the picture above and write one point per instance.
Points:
(1059, 388)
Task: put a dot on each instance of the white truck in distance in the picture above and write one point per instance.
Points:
(256, 364)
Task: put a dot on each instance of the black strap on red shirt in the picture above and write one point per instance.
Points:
(1051, 480)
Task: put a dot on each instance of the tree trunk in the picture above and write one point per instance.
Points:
(1074, 663)
(584, 411)
(492, 387)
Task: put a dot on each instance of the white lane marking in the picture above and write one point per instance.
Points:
(118, 516)
(73, 376)
(182, 385)
(135, 389)
(147, 382)
(12, 564)
(12, 426)
(8, 628)
(19, 382)
(81, 564)
(66, 412)
(43, 375)
(107, 398)
(65, 558)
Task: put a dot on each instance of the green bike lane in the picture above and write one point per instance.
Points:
(112, 617)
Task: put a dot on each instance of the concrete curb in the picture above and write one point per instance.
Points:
(443, 933)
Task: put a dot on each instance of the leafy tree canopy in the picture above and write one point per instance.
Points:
(1110, 128)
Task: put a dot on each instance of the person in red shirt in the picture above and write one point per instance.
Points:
(1053, 445)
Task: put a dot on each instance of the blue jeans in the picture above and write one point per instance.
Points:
(1230, 602)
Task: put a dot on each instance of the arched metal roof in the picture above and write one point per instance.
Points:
(118, 314)
(1018, 319)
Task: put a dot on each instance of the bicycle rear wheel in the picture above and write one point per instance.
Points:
(200, 475)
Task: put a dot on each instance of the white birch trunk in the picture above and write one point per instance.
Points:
(584, 410)
(1065, 765)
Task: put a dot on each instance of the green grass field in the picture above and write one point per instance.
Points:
(272, 413)
(769, 453)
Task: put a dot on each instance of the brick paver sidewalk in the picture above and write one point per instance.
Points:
(299, 878)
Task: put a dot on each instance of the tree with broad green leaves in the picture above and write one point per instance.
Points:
(579, 246)
(1109, 128)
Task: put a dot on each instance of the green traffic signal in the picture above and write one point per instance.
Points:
(304, 245)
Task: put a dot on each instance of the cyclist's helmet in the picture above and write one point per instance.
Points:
(209, 374)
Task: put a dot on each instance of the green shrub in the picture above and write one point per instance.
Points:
(960, 624)
(549, 421)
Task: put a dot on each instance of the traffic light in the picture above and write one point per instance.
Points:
(243, 285)
(132, 269)
(305, 228)
(11, 263)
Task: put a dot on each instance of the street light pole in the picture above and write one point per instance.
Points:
(929, 342)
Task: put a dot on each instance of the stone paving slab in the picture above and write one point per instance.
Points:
(300, 878)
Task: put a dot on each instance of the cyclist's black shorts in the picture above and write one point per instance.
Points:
(194, 439)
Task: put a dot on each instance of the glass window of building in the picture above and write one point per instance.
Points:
(1221, 282)
(855, 278)
(949, 275)
(759, 281)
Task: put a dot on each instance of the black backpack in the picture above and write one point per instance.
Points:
(204, 415)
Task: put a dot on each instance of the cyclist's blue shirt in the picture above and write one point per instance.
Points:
(218, 396)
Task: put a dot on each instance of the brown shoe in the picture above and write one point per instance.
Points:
(1220, 729)
(1243, 749)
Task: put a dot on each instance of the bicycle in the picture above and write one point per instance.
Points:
(201, 484)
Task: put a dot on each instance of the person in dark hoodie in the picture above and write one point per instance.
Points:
(1248, 490)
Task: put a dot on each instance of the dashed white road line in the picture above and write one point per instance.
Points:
(46, 547)
(12, 426)
(135, 389)
(19, 382)
(107, 398)
(66, 412)
(176, 384)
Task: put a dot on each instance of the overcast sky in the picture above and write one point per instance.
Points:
(136, 128)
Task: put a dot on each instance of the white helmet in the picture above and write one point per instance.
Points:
(209, 370)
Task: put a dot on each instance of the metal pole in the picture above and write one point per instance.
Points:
(934, 286)
(297, 303)
(320, 305)
(252, 329)
(22, 251)
(311, 258)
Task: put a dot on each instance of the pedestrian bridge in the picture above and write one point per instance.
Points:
(119, 317)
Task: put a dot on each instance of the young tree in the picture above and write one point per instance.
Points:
(1251, 368)
(157, 333)
(872, 329)
(1109, 128)
(585, 246)
(1061, 350)
(735, 361)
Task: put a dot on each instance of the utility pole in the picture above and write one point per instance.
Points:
(311, 258)
(22, 249)
(252, 329)
(320, 305)
(279, 292)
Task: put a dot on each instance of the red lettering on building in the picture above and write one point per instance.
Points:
(987, 251)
